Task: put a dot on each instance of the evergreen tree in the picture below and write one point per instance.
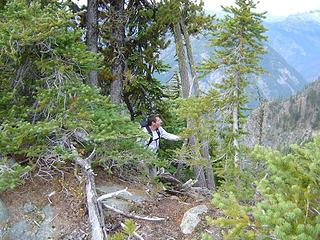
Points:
(238, 43)
(138, 56)
(186, 18)
(45, 107)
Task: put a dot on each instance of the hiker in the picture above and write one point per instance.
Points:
(154, 129)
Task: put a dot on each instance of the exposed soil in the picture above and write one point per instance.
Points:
(65, 195)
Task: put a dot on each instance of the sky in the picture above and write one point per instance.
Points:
(273, 7)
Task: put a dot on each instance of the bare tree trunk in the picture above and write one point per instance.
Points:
(211, 183)
(118, 38)
(183, 69)
(261, 114)
(96, 218)
(235, 126)
(185, 83)
(194, 88)
(92, 36)
(197, 169)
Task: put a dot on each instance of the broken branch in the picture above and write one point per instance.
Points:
(129, 215)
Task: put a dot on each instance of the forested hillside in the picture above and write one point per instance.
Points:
(280, 80)
(288, 121)
(77, 162)
(297, 39)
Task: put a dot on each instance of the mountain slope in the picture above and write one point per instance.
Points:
(281, 80)
(293, 120)
(297, 40)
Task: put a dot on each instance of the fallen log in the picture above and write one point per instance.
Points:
(96, 218)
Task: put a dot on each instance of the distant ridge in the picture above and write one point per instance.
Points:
(293, 120)
(297, 39)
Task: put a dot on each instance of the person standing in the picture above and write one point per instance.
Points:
(156, 132)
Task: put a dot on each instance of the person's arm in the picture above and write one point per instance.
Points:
(168, 136)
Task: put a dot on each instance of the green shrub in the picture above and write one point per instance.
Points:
(286, 201)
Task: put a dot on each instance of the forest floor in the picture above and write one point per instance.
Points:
(69, 221)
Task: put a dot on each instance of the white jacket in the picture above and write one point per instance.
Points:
(154, 145)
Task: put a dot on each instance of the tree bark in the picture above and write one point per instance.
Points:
(92, 36)
(195, 90)
(211, 183)
(198, 170)
(118, 39)
(261, 114)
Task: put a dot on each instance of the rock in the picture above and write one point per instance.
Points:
(4, 214)
(36, 226)
(28, 208)
(45, 229)
(21, 231)
(4, 217)
(191, 218)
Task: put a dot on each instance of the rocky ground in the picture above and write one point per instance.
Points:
(54, 209)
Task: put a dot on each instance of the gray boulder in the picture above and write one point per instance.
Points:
(4, 217)
(191, 218)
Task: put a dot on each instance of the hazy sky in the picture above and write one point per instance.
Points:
(274, 7)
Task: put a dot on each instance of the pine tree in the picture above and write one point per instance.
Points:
(187, 18)
(45, 107)
(238, 43)
(136, 57)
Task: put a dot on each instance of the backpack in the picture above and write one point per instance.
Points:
(144, 124)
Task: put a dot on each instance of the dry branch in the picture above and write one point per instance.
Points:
(129, 215)
(113, 194)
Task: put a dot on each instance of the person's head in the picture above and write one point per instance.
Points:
(154, 121)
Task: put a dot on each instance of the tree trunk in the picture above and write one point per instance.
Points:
(129, 106)
(185, 83)
(261, 114)
(92, 36)
(183, 69)
(211, 183)
(198, 170)
(194, 88)
(235, 126)
(118, 39)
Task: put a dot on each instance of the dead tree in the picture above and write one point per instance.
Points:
(95, 212)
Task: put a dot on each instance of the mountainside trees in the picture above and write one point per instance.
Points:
(238, 41)
(187, 18)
